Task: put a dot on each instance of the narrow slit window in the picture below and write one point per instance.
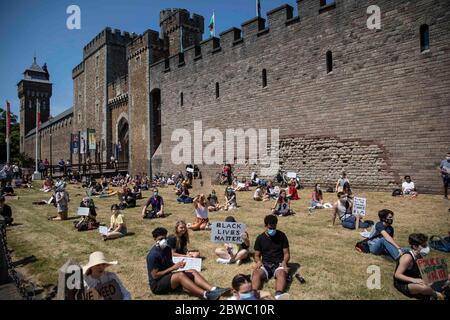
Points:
(217, 90)
(181, 99)
(424, 38)
(264, 78)
(329, 61)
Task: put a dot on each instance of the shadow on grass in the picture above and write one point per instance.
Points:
(24, 261)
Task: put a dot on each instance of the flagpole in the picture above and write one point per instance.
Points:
(36, 174)
(8, 127)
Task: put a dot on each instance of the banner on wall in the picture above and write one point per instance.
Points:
(92, 139)
(83, 142)
(75, 143)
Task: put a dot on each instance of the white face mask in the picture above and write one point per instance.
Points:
(162, 243)
(424, 251)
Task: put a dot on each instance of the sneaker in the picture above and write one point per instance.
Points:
(238, 262)
(216, 294)
(223, 261)
(282, 296)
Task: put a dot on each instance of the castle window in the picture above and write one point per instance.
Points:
(97, 110)
(217, 90)
(329, 61)
(264, 78)
(424, 38)
(79, 118)
(326, 2)
(96, 61)
(96, 82)
(181, 99)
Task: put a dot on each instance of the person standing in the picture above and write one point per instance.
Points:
(445, 173)
(62, 202)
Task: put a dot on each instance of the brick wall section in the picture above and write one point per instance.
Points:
(382, 92)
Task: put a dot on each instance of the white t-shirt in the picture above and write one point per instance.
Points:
(257, 193)
(408, 187)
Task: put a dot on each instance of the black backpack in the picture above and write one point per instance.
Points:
(397, 192)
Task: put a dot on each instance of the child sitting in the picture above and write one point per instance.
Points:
(201, 221)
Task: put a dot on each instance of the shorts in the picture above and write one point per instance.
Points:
(270, 270)
(404, 289)
(163, 284)
(446, 180)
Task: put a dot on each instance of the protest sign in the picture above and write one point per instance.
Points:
(359, 206)
(103, 230)
(434, 271)
(191, 263)
(191, 170)
(92, 294)
(83, 211)
(227, 232)
(109, 290)
(291, 175)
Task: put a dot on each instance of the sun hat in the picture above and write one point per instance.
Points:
(95, 259)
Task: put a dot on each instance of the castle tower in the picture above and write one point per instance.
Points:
(34, 86)
(175, 23)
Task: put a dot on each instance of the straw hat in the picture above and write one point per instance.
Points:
(95, 259)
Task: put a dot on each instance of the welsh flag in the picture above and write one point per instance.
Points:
(212, 26)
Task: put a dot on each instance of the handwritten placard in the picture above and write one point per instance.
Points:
(103, 230)
(227, 232)
(191, 170)
(291, 175)
(83, 211)
(109, 290)
(433, 270)
(191, 263)
(359, 206)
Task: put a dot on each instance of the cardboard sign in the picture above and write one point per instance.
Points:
(227, 232)
(291, 175)
(92, 294)
(191, 263)
(359, 206)
(103, 230)
(433, 270)
(83, 211)
(109, 290)
(191, 170)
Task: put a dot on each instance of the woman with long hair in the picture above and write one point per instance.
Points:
(179, 240)
(282, 205)
(201, 221)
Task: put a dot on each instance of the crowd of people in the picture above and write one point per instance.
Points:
(271, 249)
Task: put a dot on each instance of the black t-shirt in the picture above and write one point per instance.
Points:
(172, 243)
(379, 226)
(271, 248)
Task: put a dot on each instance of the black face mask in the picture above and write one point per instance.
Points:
(389, 221)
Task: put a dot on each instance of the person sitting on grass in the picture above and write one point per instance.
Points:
(88, 222)
(343, 209)
(292, 190)
(270, 191)
(407, 278)
(382, 241)
(47, 185)
(242, 289)
(117, 228)
(8, 190)
(231, 252)
(201, 221)
(162, 276)
(282, 206)
(5, 211)
(341, 181)
(230, 199)
(179, 241)
(184, 195)
(258, 195)
(316, 198)
(271, 258)
(62, 202)
(136, 191)
(348, 191)
(213, 201)
(409, 188)
(157, 203)
(95, 277)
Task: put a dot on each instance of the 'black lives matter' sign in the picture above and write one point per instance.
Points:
(227, 232)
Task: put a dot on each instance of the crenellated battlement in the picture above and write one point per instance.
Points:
(171, 19)
(77, 70)
(139, 44)
(252, 30)
(107, 37)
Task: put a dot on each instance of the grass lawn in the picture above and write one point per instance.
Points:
(333, 269)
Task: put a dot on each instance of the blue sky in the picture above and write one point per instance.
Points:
(28, 26)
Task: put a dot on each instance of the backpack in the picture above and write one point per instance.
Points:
(397, 192)
(437, 243)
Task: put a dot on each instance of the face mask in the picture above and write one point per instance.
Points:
(389, 221)
(247, 296)
(271, 232)
(155, 194)
(424, 251)
(213, 194)
(162, 243)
